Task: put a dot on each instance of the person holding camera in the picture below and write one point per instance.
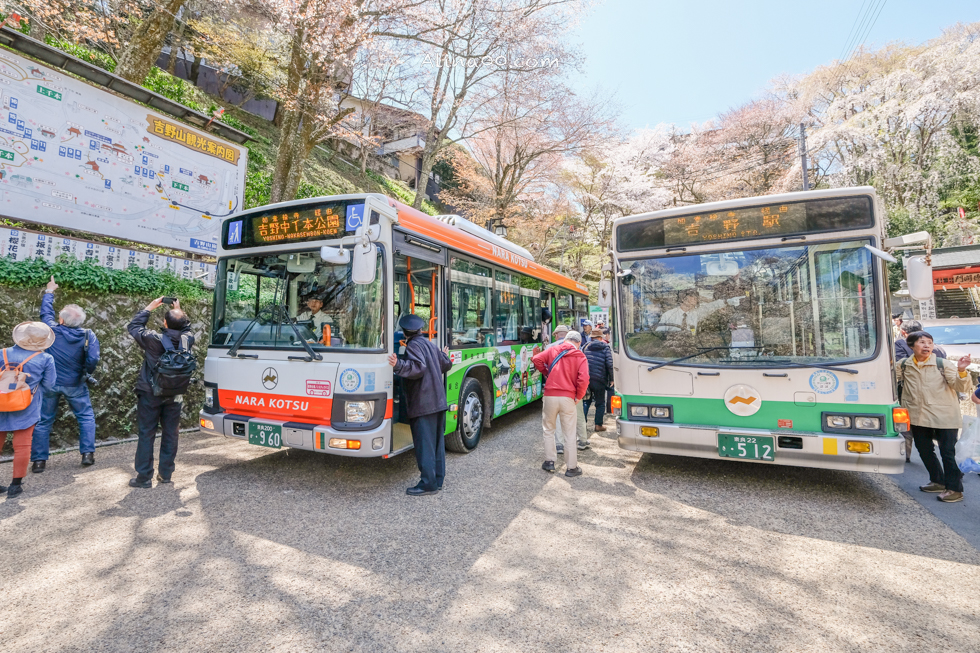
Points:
(76, 354)
(158, 402)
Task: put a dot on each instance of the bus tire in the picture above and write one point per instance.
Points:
(472, 411)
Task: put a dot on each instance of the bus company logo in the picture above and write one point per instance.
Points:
(270, 378)
(350, 380)
(743, 400)
(824, 382)
(507, 255)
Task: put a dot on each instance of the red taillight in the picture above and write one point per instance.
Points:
(900, 416)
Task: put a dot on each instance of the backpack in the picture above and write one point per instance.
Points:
(172, 373)
(15, 393)
(939, 365)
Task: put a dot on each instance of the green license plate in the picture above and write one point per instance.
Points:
(750, 447)
(265, 435)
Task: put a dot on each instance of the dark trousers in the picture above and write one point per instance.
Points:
(948, 473)
(599, 398)
(150, 412)
(429, 438)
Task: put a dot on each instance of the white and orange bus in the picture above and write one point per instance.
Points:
(307, 300)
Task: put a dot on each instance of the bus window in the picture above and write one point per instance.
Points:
(507, 309)
(470, 298)
(530, 309)
(259, 299)
(566, 314)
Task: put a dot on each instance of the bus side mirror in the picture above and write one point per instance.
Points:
(605, 293)
(365, 266)
(919, 276)
(335, 255)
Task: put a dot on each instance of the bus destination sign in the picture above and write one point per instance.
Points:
(294, 224)
(755, 222)
(304, 224)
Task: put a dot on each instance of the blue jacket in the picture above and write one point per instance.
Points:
(599, 355)
(421, 371)
(70, 359)
(42, 373)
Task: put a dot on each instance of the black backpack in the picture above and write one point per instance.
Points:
(172, 373)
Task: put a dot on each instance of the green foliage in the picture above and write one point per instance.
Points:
(24, 27)
(235, 123)
(402, 192)
(306, 190)
(92, 56)
(167, 85)
(70, 273)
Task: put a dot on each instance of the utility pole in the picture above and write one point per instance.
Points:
(806, 177)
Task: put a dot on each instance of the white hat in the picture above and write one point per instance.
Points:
(33, 336)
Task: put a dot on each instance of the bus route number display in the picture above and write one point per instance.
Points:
(754, 222)
(305, 224)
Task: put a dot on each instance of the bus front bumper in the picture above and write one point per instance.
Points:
(819, 450)
(374, 442)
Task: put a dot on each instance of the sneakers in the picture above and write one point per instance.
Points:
(14, 490)
(561, 449)
(950, 497)
(549, 466)
(136, 482)
(88, 459)
(934, 488)
(582, 446)
(574, 471)
(38, 466)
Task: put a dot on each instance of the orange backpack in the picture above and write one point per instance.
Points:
(15, 393)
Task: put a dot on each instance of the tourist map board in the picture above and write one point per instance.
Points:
(76, 156)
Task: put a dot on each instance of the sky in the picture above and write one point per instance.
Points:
(683, 61)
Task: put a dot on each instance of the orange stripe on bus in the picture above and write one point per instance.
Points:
(389, 408)
(427, 225)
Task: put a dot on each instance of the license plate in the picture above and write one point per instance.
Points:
(750, 447)
(265, 435)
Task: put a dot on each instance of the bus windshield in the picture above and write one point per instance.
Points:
(776, 306)
(278, 292)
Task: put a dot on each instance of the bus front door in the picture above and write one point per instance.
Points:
(417, 290)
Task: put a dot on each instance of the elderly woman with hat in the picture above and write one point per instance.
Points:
(30, 341)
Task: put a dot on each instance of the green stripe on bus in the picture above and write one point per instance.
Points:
(712, 412)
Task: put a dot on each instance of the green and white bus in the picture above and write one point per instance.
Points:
(306, 307)
(757, 329)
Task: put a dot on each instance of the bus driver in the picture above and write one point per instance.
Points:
(691, 311)
(314, 313)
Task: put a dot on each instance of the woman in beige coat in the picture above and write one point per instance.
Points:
(930, 393)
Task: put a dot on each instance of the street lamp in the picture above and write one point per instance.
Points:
(500, 230)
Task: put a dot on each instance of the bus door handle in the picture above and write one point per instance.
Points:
(709, 373)
(777, 376)
(247, 356)
(432, 326)
(785, 238)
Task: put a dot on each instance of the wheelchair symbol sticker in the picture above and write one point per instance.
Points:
(355, 217)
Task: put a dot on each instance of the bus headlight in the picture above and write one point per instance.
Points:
(867, 423)
(209, 396)
(639, 411)
(660, 411)
(838, 422)
(358, 411)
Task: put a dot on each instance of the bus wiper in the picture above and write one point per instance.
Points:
(233, 352)
(684, 358)
(822, 366)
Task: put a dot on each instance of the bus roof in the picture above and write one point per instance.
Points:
(467, 243)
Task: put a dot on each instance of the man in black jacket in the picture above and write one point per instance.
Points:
(422, 371)
(599, 355)
(152, 410)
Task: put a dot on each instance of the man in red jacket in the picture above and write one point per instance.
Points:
(566, 371)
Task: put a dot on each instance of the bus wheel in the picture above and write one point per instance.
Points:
(467, 434)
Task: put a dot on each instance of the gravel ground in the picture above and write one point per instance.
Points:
(255, 550)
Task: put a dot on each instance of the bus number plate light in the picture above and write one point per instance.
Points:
(650, 431)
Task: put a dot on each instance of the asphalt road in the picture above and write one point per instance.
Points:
(255, 550)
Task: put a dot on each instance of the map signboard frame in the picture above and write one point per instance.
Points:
(76, 156)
